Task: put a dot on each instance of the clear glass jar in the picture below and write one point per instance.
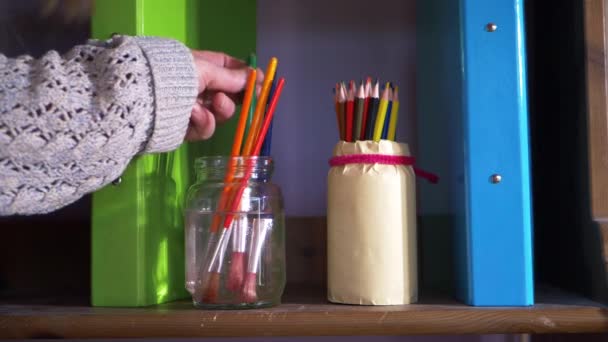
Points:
(235, 239)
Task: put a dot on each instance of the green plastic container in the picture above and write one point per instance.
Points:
(137, 224)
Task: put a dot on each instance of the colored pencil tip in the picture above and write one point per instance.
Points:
(361, 92)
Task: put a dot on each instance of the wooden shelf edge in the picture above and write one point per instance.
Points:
(297, 318)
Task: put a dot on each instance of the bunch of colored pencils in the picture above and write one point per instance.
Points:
(365, 113)
(260, 115)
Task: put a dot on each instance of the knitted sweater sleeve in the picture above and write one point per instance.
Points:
(70, 124)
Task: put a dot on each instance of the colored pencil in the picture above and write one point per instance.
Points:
(342, 107)
(359, 107)
(388, 114)
(350, 108)
(381, 115)
(392, 129)
(339, 112)
(364, 112)
(374, 103)
(336, 108)
(368, 95)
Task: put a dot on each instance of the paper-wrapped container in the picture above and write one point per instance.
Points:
(371, 225)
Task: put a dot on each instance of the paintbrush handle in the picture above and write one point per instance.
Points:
(215, 264)
(261, 227)
(256, 151)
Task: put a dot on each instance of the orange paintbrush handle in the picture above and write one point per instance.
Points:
(236, 147)
(260, 106)
(240, 128)
(256, 151)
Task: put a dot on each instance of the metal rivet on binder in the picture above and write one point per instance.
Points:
(495, 178)
(117, 181)
(491, 27)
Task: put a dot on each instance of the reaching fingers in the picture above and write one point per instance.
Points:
(221, 79)
(202, 124)
(220, 59)
(223, 107)
(213, 77)
(220, 72)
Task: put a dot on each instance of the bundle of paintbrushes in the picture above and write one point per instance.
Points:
(236, 233)
(365, 112)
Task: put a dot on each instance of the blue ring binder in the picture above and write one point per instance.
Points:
(479, 117)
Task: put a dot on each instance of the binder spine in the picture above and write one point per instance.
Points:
(496, 263)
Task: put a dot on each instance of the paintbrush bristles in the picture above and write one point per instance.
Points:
(212, 289)
(249, 294)
(237, 269)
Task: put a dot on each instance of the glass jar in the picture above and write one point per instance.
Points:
(235, 240)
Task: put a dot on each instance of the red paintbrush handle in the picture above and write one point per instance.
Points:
(256, 151)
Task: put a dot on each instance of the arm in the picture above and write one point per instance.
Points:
(70, 124)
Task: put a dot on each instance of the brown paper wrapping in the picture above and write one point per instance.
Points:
(371, 228)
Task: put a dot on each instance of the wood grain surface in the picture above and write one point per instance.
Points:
(305, 312)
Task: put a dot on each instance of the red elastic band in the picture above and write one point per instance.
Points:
(383, 159)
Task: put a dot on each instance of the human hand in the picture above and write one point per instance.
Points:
(221, 81)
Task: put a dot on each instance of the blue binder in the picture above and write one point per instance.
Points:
(473, 123)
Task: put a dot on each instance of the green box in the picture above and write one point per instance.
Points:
(137, 225)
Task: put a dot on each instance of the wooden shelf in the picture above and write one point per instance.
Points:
(305, 312)
(302, 314)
